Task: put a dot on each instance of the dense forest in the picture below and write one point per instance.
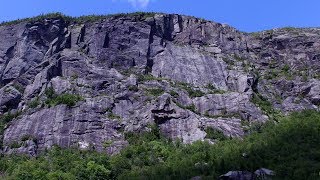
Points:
(290, 147)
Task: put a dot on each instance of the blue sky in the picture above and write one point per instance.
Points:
(246, 15)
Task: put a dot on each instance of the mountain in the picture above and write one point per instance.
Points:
(87, 82)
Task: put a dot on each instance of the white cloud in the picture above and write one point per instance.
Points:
(139, 3)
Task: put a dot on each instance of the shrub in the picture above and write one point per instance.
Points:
(67, 99)
(28, 137)
(49, 92)
(113, 116)
(214, 90)
(148, 77)
(4, 120)
(192, 108)
(106, 144)
(14, 144)
(215, 134)
(192, 93)
(81, 19)
(19, 87)
(174, 94)
(9, 116)
(217, 91)
(34, 103)
(133, 88)
(263, 103)
(155, 91)
(210, 86)
(286, 68)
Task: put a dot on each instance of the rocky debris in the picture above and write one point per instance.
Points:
(264, 173)
(231, 104)
(237, 175)
(261, 173)
(60, 125)
(26, 147)
(9, 98)
(179, 73)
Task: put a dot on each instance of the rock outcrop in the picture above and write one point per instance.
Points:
(180, 73)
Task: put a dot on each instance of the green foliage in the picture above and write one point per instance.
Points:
(9, 116)
(34, 103)
(192, 108)
(137, 138)
(67, 99)
(192, 93)
(113, 116)
(81, 19)
(214, 90)
(148, 77)
(106, 144)
(217, 91)
(133, 88)
(57, 164)
(155, 92)
(4, 120)
(278, 73)
(210, 86)
(14, 144)
(215, 134)
(272, 74)
(286, 68)
(49, 92)
(174, 94)
(291, 148)
(18, 87)
(28, 137)
(238, 58)
(263, 103)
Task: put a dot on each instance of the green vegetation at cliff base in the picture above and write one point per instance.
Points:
(291, 148)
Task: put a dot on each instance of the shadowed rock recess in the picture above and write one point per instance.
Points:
(89, 81)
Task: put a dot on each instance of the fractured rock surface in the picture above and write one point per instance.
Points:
(179, 73)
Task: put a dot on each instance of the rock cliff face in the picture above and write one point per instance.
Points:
(130, 72)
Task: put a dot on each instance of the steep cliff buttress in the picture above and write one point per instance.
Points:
(85, 84)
